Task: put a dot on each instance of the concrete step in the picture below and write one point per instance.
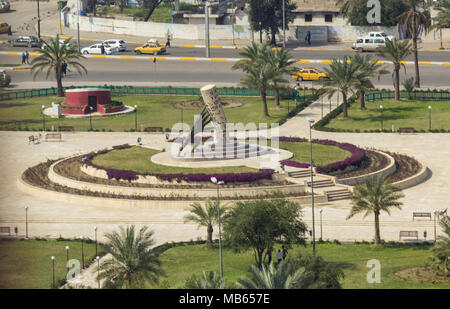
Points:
(321, 183)
(300, 174)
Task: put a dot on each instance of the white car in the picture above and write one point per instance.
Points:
(119, 44)
(380, 35)
(96, 49)
(368, 44)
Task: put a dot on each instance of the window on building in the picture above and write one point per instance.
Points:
(328, 18)
(308, 17)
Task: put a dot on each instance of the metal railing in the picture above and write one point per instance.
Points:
(416, 95)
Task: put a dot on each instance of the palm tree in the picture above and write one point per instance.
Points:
(281, 276)
(52, 56)
(409, 86)
(205, 216)
(368, 69)
(343, 78)
(133, 262)
(376, 195)
(415, 22)
(441, 249)
(396, 51)
(251, 55)
(209, 280)
(281, 60)
(442, 19)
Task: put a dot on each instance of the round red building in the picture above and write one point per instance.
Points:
(84, 101)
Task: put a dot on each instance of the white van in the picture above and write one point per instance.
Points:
(368, 44)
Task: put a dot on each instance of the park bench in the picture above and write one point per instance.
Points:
(53, 136)
(153, 129)
(34, 138)
(421, 215)
(5, 229)
(406, 130)
(408, 234)
(66, 128)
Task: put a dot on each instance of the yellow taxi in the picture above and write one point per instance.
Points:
(150, 48)
(309, 74)
(5, 28)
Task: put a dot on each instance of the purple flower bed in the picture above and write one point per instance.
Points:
(226, 177)
(355, 159)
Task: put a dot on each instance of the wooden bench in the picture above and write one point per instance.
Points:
(422, 215)
(53, 136)
(66, 128)
(406, 130)
(34, 138)
(408, 234)
(153, 129)
(5, 229)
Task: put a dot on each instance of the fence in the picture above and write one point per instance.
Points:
(416, 95)
(115, 90)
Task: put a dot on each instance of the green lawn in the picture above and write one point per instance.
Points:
(120, 159)
(400, 114)
(153, 111)
(181, 263)
(160, 14)
(27, 264)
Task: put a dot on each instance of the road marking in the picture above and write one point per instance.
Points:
(97, 56)
(186, 45)
(446, 63)
(424, 62)
(187, 59)
(327, 61)
(304, 61)
(218, 59)
(20, 68)
(12, 53)
(126, 57)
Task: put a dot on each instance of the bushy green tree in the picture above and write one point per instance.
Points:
(441, 250)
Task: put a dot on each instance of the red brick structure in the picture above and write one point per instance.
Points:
(83, 101)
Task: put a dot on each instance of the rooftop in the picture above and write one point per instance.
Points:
(316, 6)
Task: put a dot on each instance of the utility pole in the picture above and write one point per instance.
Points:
(207, 5)
(39, 21)
(78, 25)
(284, 27)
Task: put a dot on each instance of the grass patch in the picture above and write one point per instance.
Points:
(120, 159)
(153, 111)
(160, 14)
(400, 114)
(182, 262)
(27, 264)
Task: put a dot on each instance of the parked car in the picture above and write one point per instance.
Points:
(309, 74)
(380, 35)
(26, 41)
(4, 6)
(5, 28)
(368, 44)
(150, 48)
(96, 49)
(119, 44)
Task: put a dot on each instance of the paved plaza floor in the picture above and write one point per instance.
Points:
(52, 219)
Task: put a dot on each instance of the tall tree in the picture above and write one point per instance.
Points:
(375, 196)
(416, 21)
(441, 249)
(258, 224)
(343, 78)
(52, 56)
(205, 216)
(151, 5)
(396, 51)
(442, 19)
(133, 262)
(258, 16)
(281, 276)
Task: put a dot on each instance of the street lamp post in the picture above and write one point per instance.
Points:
(26, 221)
(310, 121)
(218, 183)
(67, 258)
(96, 251)
(78, 25)
(90, 117)
(98, 270)
(38, 21)
(429, 117)
(381, 117)
(321, 210)
(284, 27)
(207, 5)
(43, 118)
(135, 118)
(53, 271)
(434, 213)
(82, 252)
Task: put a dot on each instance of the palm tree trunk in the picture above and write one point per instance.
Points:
(209, 236)
(362, 98)
(264, 101)
(397, 83)
(416, 53)
(273, 40)
(344, 96)
(377, 228)
(59, 82)
(277, 98)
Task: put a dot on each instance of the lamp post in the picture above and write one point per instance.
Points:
(90, 117)
(26, 221)
(67, 258)
(429, 117)
(284, 27)
(53, 271)
(78, 25)
(310, 121)
(182, 110)
(96, 251)
(434, 213)
(98, 270)
(82, 252)
(218, 183)
(135, 118)
(207, 5)
(381, 117)
(38, 21)
(43, 118)
(321, 210)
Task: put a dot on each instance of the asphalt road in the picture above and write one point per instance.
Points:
(140, 70)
